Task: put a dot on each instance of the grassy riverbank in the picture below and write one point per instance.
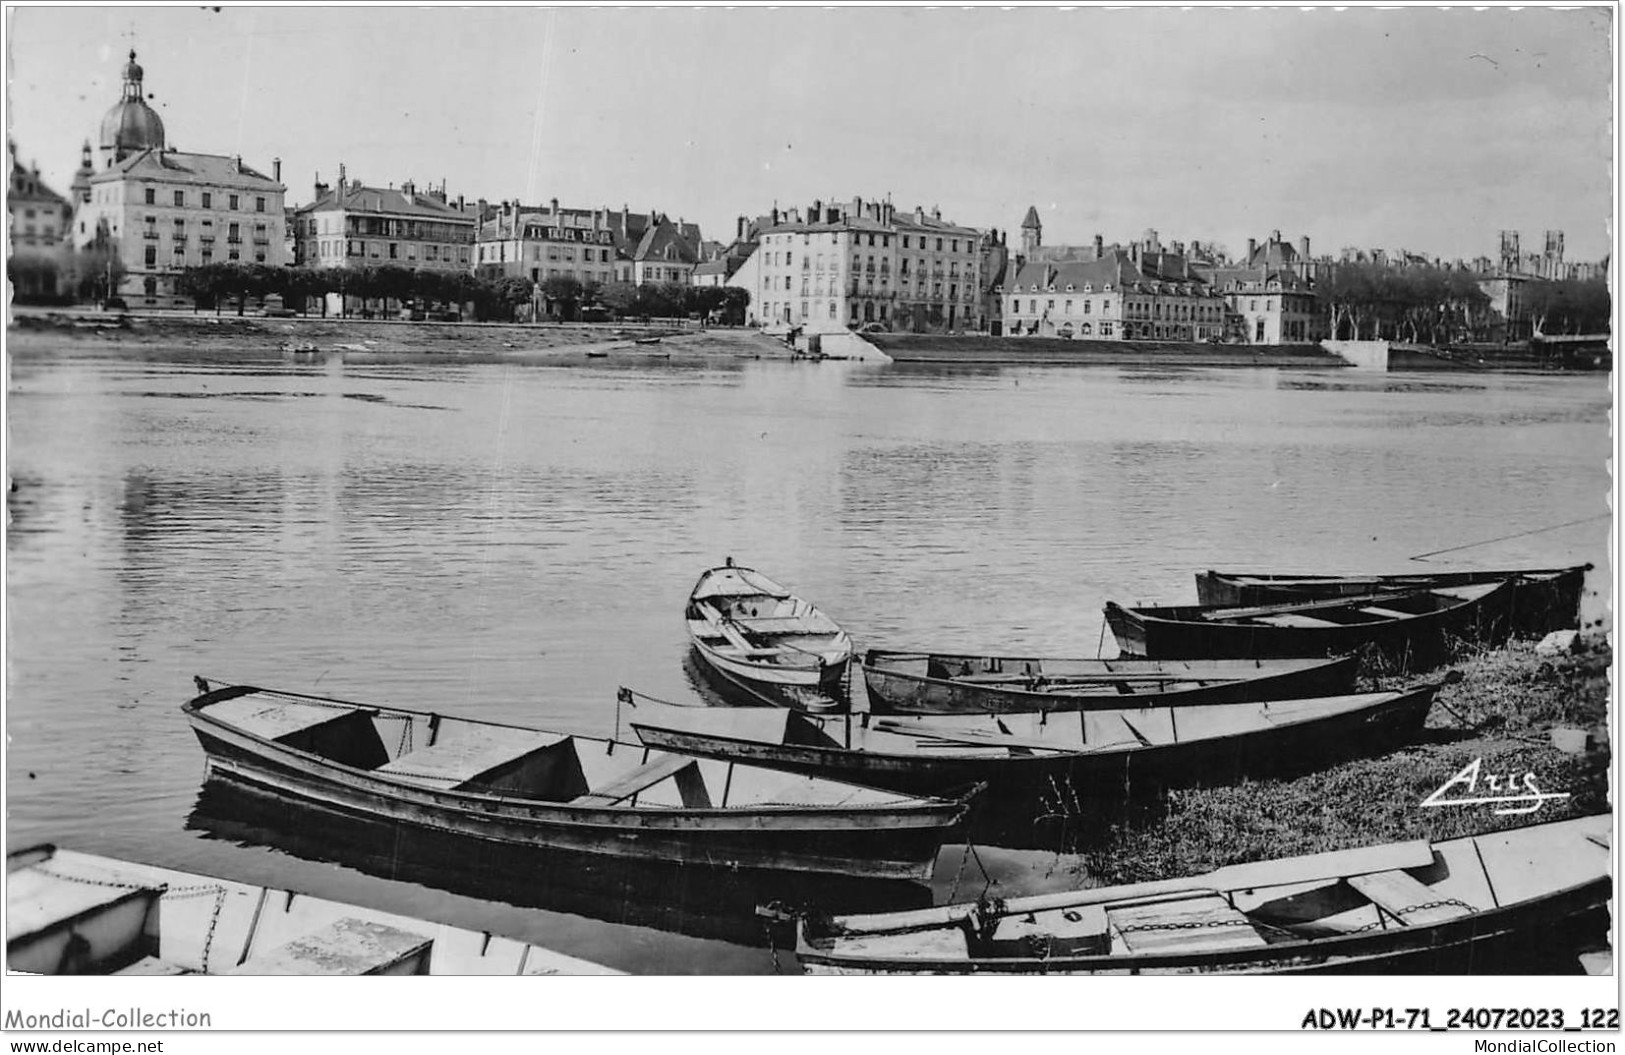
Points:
(1501, 711)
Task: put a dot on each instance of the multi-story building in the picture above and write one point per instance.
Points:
(166, 210)
(40, 224)
(353, 225)
(1270, 297)
(544, 242)
(1144, 292)
(651, 248)
(854, 264)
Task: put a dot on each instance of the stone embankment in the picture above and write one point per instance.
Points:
(920, 348)
(67, 332)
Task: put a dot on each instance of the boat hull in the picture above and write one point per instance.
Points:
(1518, 939)
(1257, 752)
(875, 842)
(898, 692)
(1544, 599)
(829, 678)
(1415, 642)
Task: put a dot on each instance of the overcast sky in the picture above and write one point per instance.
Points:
(1420, 128)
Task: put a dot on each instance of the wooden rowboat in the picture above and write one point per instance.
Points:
(940, 683)
(1413, 630)
(1520, 901)
(752, 630)
(1097, 749)
(528, 787)
(75, 913)
(1544, 599)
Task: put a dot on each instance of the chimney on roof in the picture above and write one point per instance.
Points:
(1252, 247)
(936, 212)
(341, 177)
(739, 230)
(276, 169)
(1275, 237)
(919, 214)
(236, 162)
(1303, 247)
(459, 203)
(555, 203)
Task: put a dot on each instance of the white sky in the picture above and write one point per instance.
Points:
(1418, 127)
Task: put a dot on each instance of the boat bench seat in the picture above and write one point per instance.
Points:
(629, 784)
(347, 946)
(789, 624)
(1300, 621)
(1400, 895)
(1386, 613)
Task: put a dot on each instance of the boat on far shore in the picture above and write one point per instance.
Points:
(1410, 630)
(1544, 599)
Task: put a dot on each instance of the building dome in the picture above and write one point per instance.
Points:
(131, 126)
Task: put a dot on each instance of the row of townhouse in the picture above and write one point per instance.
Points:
(162, 211)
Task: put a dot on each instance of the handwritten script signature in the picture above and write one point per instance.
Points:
(1503, 792)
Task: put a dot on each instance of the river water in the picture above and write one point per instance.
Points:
(513, 541)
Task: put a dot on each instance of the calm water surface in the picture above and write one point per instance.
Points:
(514, 541)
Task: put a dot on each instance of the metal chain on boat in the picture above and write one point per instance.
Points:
(214, 919)
(1208, 924)
(87, 881)
(1408, 909)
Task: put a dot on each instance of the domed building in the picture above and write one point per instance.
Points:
(166, 211)
(131, 126)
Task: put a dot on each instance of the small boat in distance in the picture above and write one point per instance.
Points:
(944, 683)
(1544, 599)
(1412, 630)
(300, 350)
(76, 913)
(750, 629)
(648, 340)
(1520, 901)
(532, 788)
(1096, 752)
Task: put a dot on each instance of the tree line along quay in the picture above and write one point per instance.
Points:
(149, 227)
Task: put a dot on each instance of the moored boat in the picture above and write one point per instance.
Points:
(1411, 630)
(750, 629)
(1544, 599)
(1519, 901)
(944, 683)
(1097, 749)
(77, 913)
(529, 787)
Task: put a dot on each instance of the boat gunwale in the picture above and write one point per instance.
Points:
(521, 809)
(1156, 614)
(1398, 700)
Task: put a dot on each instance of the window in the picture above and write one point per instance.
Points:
(259, 204)
(939, 245)
(1049, 305)
(180, 199)
(1032, 307)
(905, 241)
(231, 201)
(1015, 307)
(1259, 333)
(152, 196)
(152, 256)
(1086, 305)
(1105, 329)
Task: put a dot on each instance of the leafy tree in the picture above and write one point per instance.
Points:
(1568, 307)
(565, 293)
(618, 297)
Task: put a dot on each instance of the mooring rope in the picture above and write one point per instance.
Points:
(1515, 534)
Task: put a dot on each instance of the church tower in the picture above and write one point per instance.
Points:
(1032, 232)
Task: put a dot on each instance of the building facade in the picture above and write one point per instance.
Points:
(40, 225)
(1269, 294)
(353, 225)
(163, 211)
(861, 264)
(544, 242)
